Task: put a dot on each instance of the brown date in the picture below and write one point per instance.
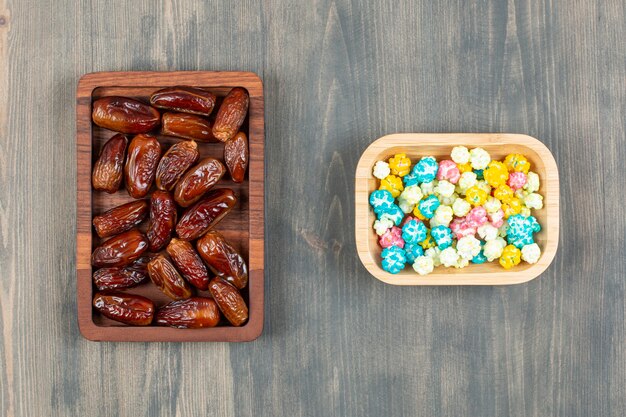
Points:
(178, 158)
(187, 126)
(193, 313)
(125, 115)
(236, 156)
(229, 301)
(167, 279)
(121, 218)
(120, 250)
(144, 152)
(198, 180)
(223, 259)
(162, 220)
(188, 262)
(206, 213)
(117, 278)
(184, 99)
(107, 171)
(126, 308)
(231, 114)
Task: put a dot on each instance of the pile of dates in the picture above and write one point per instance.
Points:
(198, 257)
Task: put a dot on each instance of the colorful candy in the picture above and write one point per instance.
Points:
(442, 235)
(475, 196)
(414, 231)
(381, 200)
(428, 205)
(510, 257)
(381, 170)
(517, 162)
(496, 174)
(394, 259)
(426, 169)
(468, 247)
(392, 184)
(423, 265)
(448, 171)
(400, 165)
(479, 158)
(413, 251)
(516, 180)
(393, 213)
(392, 237)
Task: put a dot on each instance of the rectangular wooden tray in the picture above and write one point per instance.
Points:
(243, 226)
(417, 145)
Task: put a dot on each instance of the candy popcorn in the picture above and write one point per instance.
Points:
(423, 265)
(461, 227)
(525, 211)
(410, 180)
(381, 170)
(412, 251)
(392, 184)
(381, 226)
(442, 235)
(405, 206)
(381, 200)
(475, 196)
(393, 213)
(531, 253)
(534, 201)
(461, 263)
(467, 180)
(516, 180)
(493, 249)
(517, 162)
(448, 171)
(487, 232)
(412, 194)
(428, 205)
(480, 258)
(417, 213)
(492, 204)
(503, 193)
(479, 158)
(496, 218)
(467, 247)
(463, 168)
(496, 174)
(510, 257)
(461, 207)
(532, 182)
(512, 207)
(414, 231)
(443, 216)
(444, 188)
(460, 155)
(477, 216)
(449, 257)
(392, 237)
(448, 201)
(428, 188)
(429, 242)
(400, 165)
(433, 253)
(482, 184)
(479, 173)
(426, 169)
(394, 259)
(534, 224)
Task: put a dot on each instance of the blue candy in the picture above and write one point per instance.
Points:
(426, 169)
(428, 205)
(520, 241)
(393, 213)
(381, 200)
(413, 251)
(394, 259)
(442, 236)
(480, 258)
(479, 174)
(410, 179)
(534, 224)
(414, 231)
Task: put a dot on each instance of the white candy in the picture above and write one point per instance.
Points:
(534, 201)
(525, 211)
(482, 184)
(532, 182)
(428, 188)
(531, 253)
(468, 247)
(449, 257)
(443, 216)
(492, 204)
(479, 158)
(462, 263)
(467, 180)
(460, 155)
(423, 265)
(411, 194)
(444, 188)
(381, 170)
(382, 225)
(447, 201)
(461, 207)
(487, 232)
(434, 253)
(405, 206)
(493, 249)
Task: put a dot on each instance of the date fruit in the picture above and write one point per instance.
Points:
(144, 152)
(229, 301)
(223, 259)
(205, 214)
(120, 277)
(193, 313)
(185, 100)
(187, 126)
(120, 250)
(178, 158)
(126, 308)
(236, 156)
(231, 114)
(198, 180)
(125, 115)
(107, 171)
(188, 262)
(121, 218)
(167, 279)
(162, 220)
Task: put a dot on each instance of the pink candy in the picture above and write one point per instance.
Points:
(392, 237)
(448, 171)
(461, 227)
(497, 218)
(517, 180)
(409, 218)
(477, 217)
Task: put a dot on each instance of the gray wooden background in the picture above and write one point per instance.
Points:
(338, 74)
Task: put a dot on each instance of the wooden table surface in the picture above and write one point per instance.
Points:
(337, 342)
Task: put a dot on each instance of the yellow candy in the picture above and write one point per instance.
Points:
(510, 257)
(392, 184)
(496, 174)
(517, 162)
(400, 165)
(417, 213)
(511, 207)
(429, 242)
(475, 196)
(503, 193)
(464, 167)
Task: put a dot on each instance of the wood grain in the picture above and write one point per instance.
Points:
(415, 146)
(337, 75)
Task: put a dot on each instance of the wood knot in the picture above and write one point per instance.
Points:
(3, 20)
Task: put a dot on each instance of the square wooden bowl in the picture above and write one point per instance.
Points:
(417, 145)
(243, 226)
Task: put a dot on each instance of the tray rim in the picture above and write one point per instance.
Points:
(362, 228)
(256, 177)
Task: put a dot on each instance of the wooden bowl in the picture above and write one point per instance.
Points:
(243, 226)
(417, 145)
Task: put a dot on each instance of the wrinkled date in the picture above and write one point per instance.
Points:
(178, 158)
(206, 213)
(125, 115)
(198, 180)
(107, 171)
(167, 279)
(120, 218)
(162, 220)
(184, 99)
(125, 308)
(119, 277)
(120, 250)
(236, 156)
(188, 262)
(144, 152)
(187, 126)
(231, 114)
(223, 259)
(229, 301)
(193, 313)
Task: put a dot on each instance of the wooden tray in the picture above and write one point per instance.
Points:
(416, 145)
(243, 226)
